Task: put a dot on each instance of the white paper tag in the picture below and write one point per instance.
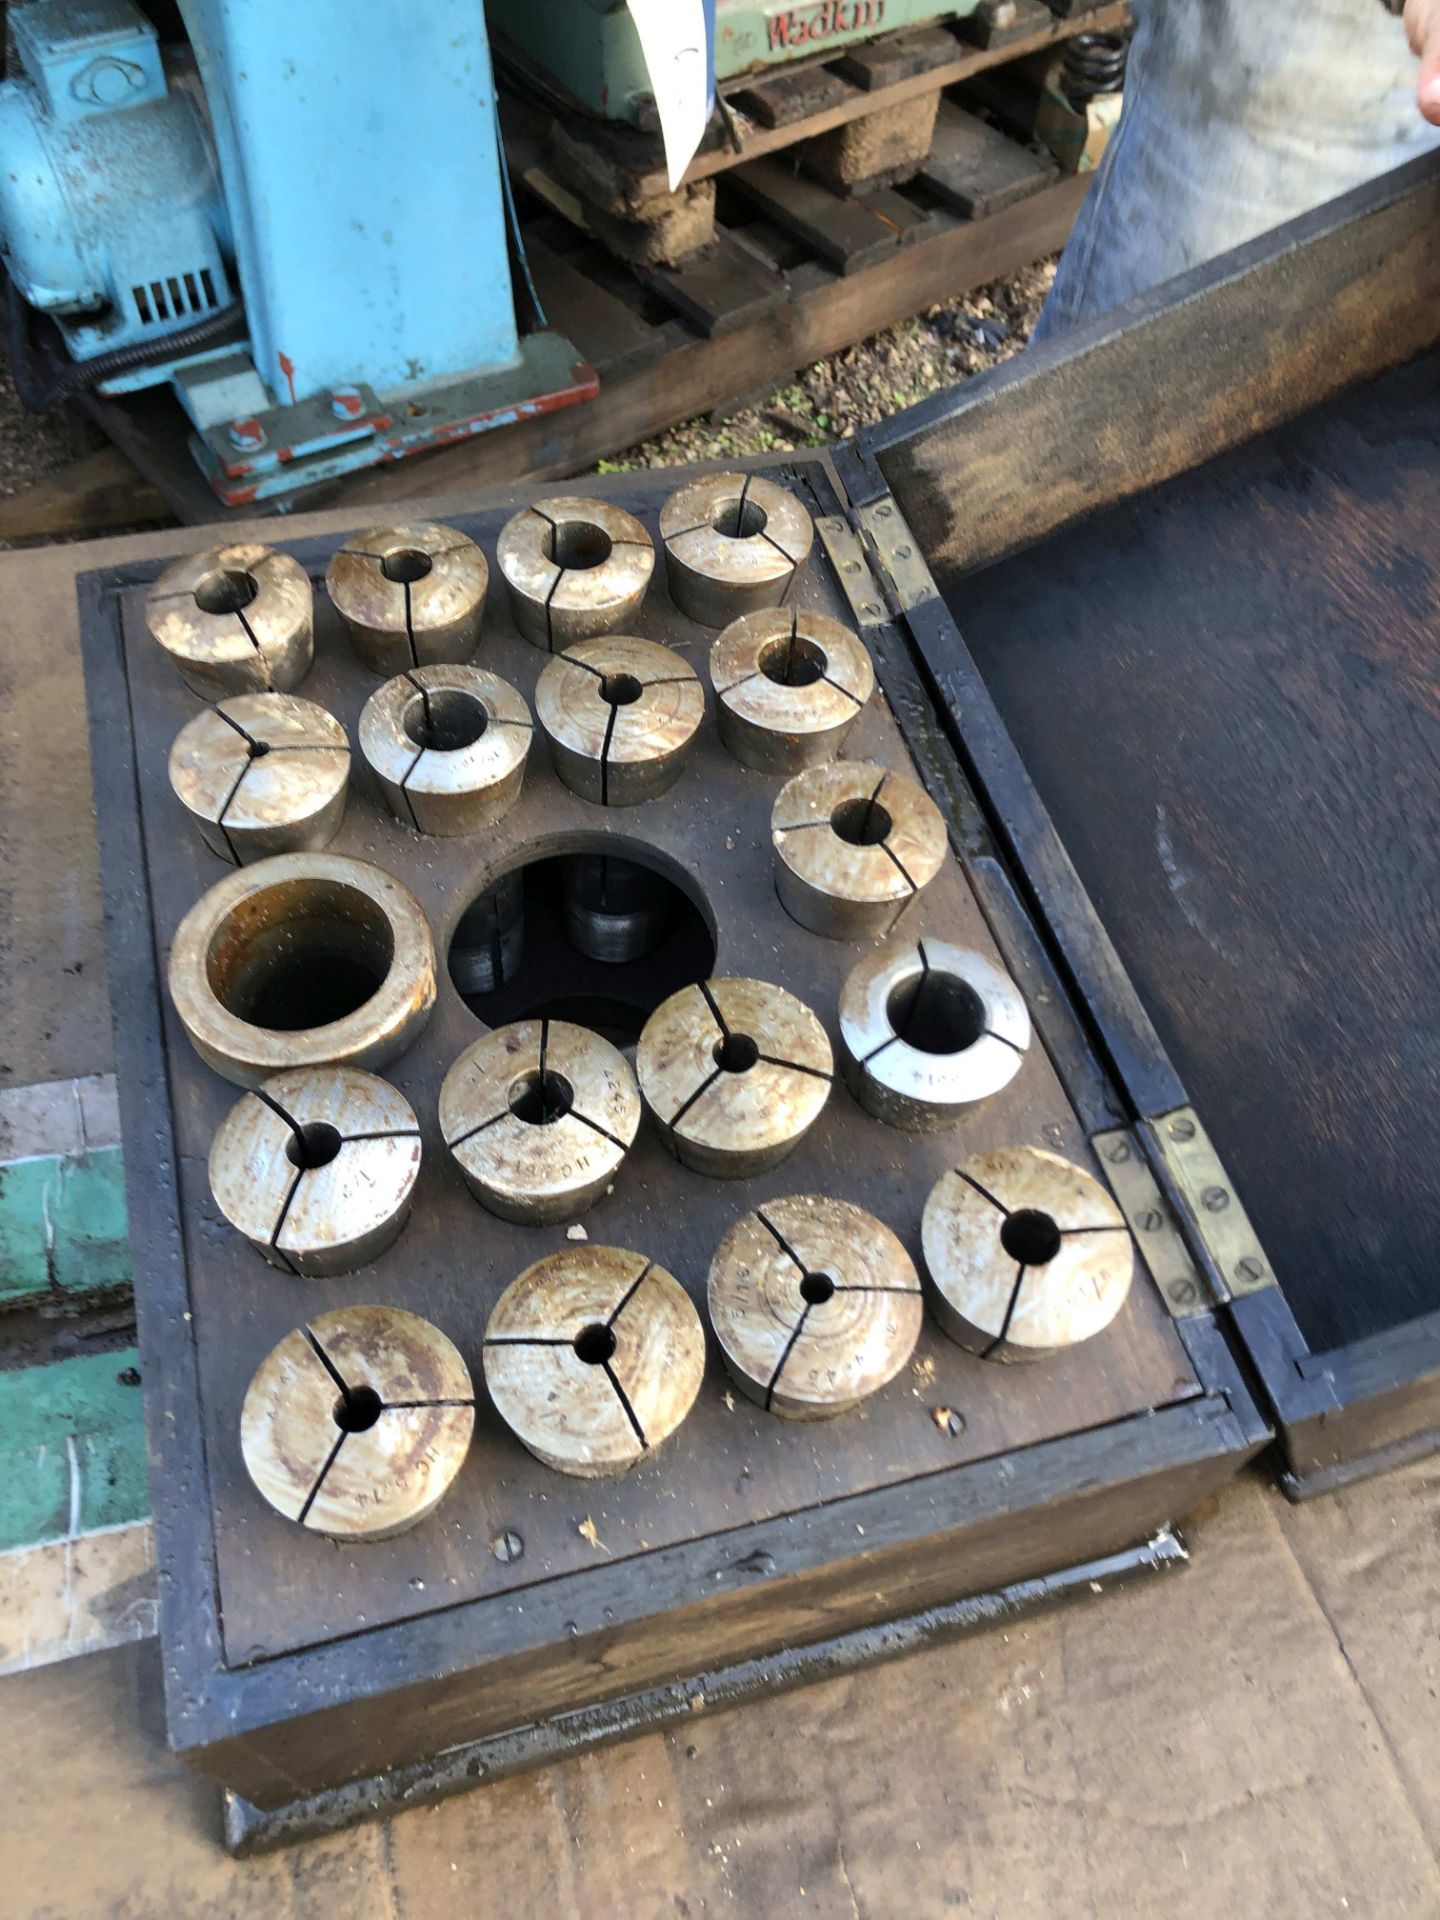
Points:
(675, 40)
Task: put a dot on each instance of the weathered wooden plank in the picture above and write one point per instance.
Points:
(840, 231)
(1215, 355)
(912, 222)
(976, 169)
(724, 288)
(608, 333)
(788, 98)
(879, 64)
(97, 493)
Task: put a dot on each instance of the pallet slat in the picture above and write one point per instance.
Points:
(976, 169)
(791, 97)
(883, 63)
(605, 330)
(911, 221)
(843, 233)
(727, 287)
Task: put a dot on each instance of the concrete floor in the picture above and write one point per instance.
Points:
(1256, 1736)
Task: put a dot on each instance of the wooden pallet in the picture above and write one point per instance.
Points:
(783, 106)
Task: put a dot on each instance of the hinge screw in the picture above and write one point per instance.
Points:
(882, 513)
(1184, 1292)
(508, 1545)
(1118, 1152)
(1149, 1220)
(1250, 1268)
(871, 609)
(1214, 1199)
(902, 553)
(1182, 1129)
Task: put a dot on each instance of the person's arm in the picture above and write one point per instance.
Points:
(1422, 24)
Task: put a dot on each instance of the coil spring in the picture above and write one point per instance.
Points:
(1093, 63)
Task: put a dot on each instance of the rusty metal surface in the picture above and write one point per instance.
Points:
(411, 595)
(1026, 1254)
(539, 1116)
(317, 1168)
(278, 932)
(815, 1303)
(448, 746)
(573, 568)
(593, 1358)
(620, 715)
(235, 619)
(734, 1073)
(321, 1450)
(927, 1030)
(854, 845)
(262, 773)
(733, 545)
(789, 686)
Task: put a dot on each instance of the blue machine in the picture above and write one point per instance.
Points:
(297, 218)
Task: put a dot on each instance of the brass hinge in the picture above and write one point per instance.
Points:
(1209, 1197)
(852, 569)
(1182, 1285)
(899, 553)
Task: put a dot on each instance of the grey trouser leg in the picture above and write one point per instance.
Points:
(1238, 115)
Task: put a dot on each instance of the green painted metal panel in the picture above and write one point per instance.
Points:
(63, 1225)
(591, 47)
(72, 1448)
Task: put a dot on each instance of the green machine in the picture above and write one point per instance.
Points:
(591, 49)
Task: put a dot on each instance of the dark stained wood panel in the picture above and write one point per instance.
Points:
(730, 1465)
(1227, 693)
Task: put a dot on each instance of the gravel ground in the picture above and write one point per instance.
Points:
(31, 444)
(866, 382)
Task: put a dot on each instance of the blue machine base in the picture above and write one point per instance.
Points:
(303, 444)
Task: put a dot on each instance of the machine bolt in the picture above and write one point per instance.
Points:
(247, 436)
(507, 1546)
(346, 403)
